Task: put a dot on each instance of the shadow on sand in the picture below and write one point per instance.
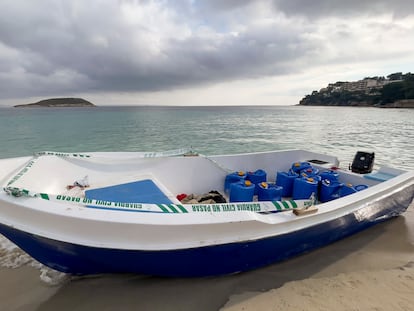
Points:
(392, 241)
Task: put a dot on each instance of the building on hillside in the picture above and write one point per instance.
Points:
(366, 85)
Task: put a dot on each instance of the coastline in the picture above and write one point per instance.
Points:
(400, 104)
(373, 269)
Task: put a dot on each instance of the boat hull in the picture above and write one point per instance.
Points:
(210, 260)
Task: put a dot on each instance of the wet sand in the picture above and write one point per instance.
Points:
(372, 270)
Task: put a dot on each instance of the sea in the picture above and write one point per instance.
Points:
(209, 130)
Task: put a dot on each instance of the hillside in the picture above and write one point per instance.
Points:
(395, 91)
(59, 102)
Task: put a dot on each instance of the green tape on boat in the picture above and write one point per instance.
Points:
(259, 207)
(285, 205)
(161, 206)
(294, 205)
(44, 196)
(171, 207)
(277, 205)
(182, 208)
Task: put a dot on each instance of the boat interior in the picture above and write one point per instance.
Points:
(160, 179)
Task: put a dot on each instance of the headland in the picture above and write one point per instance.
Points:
(394, 91)
(59, 102)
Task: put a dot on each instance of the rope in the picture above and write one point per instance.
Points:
(220, 166)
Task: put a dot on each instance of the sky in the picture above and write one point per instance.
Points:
(197, 52)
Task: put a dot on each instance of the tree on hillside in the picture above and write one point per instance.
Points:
(392, 92)
(395, 76)
(409, 86)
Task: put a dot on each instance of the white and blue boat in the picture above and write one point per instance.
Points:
(154, 213)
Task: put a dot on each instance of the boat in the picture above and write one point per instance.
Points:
(182, 214)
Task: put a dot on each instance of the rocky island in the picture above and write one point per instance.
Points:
(394, 91)
(59, 102)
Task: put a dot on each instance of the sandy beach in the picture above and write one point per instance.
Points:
(372, 270)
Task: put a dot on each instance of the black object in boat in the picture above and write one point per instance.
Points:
(363, 162)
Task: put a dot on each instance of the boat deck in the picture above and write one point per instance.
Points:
(143, 191)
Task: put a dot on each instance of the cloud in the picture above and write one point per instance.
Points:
(142, 46)
(339, 8)
(53, 48)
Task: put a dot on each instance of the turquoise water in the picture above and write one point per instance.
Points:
(339, 131)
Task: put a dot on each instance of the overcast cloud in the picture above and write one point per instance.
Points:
(147, 52)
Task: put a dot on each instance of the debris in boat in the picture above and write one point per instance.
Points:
(308, 208)
(208, 198)
(217, 196)
(305, 211)
(181, 196)
(81, 183)
(190, 153)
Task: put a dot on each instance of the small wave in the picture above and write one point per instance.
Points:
(12, 257)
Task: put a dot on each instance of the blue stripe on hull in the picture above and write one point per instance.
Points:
(203, 261)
